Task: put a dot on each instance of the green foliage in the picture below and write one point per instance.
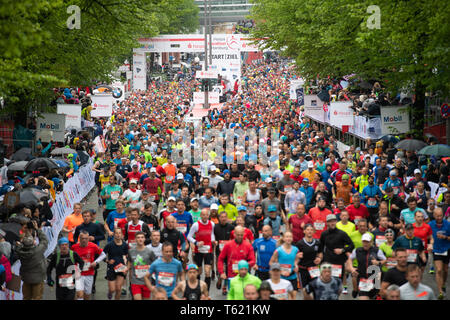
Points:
(40, 52)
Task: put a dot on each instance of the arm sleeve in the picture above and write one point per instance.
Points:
(380, 255)
(78, 260)
(192, 231)
(101, 257)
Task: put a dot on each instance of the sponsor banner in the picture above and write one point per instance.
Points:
(102, 105)
(196, 43)
(51, 126)
(366, 128)
(206, 74)
(118, 91)
(213, 97)
(139, 70)
(73, 114)
(394, 120)
(294, 85)
(227, 64)
(341, 114)
(314, 107)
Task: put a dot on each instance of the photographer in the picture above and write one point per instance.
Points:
(32, 259)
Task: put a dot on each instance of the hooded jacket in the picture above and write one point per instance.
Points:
(6, 266)
(237, 286)
(33, 264)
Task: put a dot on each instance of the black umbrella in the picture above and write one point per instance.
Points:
(12, 231)
(410, 145)
(17, 166)
(31, 195)
(22, 154)
(84, 157)
(390, 138)
(41, 163)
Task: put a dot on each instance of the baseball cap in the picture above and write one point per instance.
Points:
(305, 180)
(409, 226)
(171, 199)
(310, 164)
(242, 208)
(133, 181)
(366, 237)
(417, 171)
(214, 206)
(180, 176)
(63, 240)
(194, 199)
(331, 217)
(392, 173)
(191, 266)
(275, 266)
(286, 172)
(145, 192)
(243, 264)
(213, 168)
(268, 180)
(153, 170)
(135, 165)
(271, 208)
(271, 189)
(389, 231)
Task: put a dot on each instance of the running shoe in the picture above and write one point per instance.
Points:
(124, 292)
(432, 270)
(441, 296)
(219, 284)
(110, 295)
(345, 291)
(224, 291)
(213, 275)
(354, 294)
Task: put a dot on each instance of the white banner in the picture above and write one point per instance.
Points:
(73, 114)
(51, 126)
(227, 64)
(139, 70)
(75, 189)
(294, 85)
(206, 74)
(394, 120)
(101, 105)
(314, 107)
(199, 97)
(341, 114)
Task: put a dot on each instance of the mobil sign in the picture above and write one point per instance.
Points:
(51, 126)
(394, 120)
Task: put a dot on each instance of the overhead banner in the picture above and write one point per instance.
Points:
(73, 114)
(227, 64)
(314, 107)
(341, 114)
(139, 70)
(295, 84)
(51, 126)
(213, 97)
(102, 105)
(394, 120)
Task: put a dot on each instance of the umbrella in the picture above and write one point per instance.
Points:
(31, 195)
(17, 166)
(22, 154)
(62, 151)
(410, 145)
(437, 150)
(62, 163)
(390, 138)
(84, 157)
(41, 163)
(12, 231)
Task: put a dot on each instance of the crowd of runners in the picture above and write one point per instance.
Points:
(309, 222)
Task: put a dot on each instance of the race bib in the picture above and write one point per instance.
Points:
(287, 188)
(365, 285)
(412, 255)
(234, 267)
(391, 263)
(66, 281)
(151, 198)
(169, 178)
(116, 221)
(396, 190)
(280, 294)
(115, 195)
(357, 219)
(120, 268)
(314, 272)
(286, 269)
(204, 249)
(86, 266)
(140, 271)
(165, 279)
(336, 270)
(379, 240)
(222, 244)
(319, 225)
(182, 227)
(276, 238)
(371, 202)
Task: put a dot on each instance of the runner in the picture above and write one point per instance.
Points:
(67, 265)
(318, 216)
(413, 245)
(92, 255)
(167, 270)
(324, 287)
(155, 245)
(168, 211)
(110, 194)
(264, 248)
(113, 218)
(275, 221)
(134, 226)
(116, 272)
(293, 199)
(192, 288)
(297, 222)
(414, 289)
(288, 257)
(140, 258)
(176, 238)
(397, 274)
(282, 289)
(239, 282)
(203, 230)
(149, 218)
(222, 233)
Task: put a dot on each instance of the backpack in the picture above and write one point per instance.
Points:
(58, 256)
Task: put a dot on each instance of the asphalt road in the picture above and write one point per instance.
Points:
(102, 284)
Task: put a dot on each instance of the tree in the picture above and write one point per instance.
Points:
(40, 51)
(337, 38)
